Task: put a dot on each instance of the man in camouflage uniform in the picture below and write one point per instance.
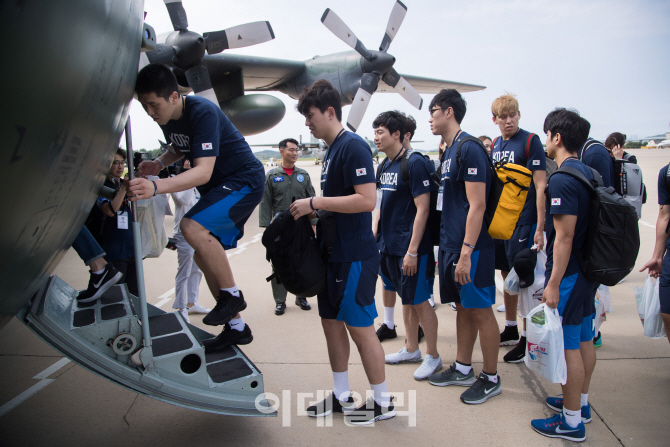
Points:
(282, 184)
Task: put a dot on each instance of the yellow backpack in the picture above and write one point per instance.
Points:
(507, 195)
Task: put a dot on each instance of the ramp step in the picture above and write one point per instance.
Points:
(113, 311)
(171, 344)
(83, 318)
(227, 353)
(164, 325)
(225, 371)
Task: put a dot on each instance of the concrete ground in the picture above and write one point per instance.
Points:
(45, 399)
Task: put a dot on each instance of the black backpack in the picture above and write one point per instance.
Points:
(434, 216)
(613, 235)
(296, 259)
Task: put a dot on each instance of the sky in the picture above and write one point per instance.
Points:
(608, 59)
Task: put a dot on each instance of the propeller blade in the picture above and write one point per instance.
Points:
(238, 37)
(395, 20)
(358, 108)
(400, 85)
(177, 14)
(369, 82)
(163, 54)
(333, 22)
(198, 79)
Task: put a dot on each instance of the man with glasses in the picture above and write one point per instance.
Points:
(465, 259)
(282, 184)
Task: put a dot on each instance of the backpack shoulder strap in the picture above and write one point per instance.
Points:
(380, 167)
(588, 144)
(530, 137)
(404, 165)
(576, 173)
(465, 140)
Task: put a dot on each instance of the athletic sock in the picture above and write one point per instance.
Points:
(341, 385)
(381, 394)
(237, 324)
(463, 368)
(492, 377)
(572, 418)
(510, 323)
(431, 300)
(585, 399)
(523, 333)
(388, 317)
(99, 272)
(234, 291)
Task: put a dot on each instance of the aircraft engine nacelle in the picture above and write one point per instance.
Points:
(253, 114)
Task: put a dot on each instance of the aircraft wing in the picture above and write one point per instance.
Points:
(260, 73)
(430, 85)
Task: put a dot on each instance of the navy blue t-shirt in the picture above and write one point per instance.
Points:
(348, 162)
(567, 195)
(398, 210)
(475, 166)
(514, 151)
(663, 193)
(598, 157)
(204, 131)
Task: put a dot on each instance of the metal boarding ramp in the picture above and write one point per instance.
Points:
(136, 345)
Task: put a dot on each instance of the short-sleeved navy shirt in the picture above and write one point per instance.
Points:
(204, 131)
(514, 151)
(117, 243)
(348, 162)
(567, 195)
(474, 166)
(398, 210)
(663, 193)
(598, 157)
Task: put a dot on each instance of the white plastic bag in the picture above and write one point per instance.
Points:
(603, 305)
(544, 344)
(531, 296)
(151, 215)
(512, 283)
(653, 323)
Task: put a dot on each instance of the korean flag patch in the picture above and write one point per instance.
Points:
(426, 183)
(360, 172)
(206, 146)
(472, 171)
(556, 202)
(536, 162)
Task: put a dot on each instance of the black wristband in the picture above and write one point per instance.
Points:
(310, 203)
(155, 187)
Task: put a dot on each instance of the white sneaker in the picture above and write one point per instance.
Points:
(403, 356)
(431, 300)
(184, 313)
(198, 309)
(501, 308)
(429, 366)
(453, 306)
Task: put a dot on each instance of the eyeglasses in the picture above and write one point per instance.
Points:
(432, 111)
(119, 163)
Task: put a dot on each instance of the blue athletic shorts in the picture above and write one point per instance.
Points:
(664, 284)
(480, 293)
(413, 289)
(225, 209)
(350, 294)
(521, 238)
(577, 308)
(388, 285)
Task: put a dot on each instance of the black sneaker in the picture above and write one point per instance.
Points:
(99, 284)
(228, 337)
(517, 354)
(331, 405)
(420, 334)
(481, 391)
(226, 308)
(509, 336)
(280, 309)
(302, 302)
(386, 333)
(370, 412)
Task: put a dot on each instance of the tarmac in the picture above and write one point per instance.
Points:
(48, 400)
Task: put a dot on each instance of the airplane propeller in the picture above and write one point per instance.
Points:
(185, 49)
(376, 65)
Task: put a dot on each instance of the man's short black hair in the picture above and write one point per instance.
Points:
(122, 153)
(392, 121)
(450, 98)
(283, 143)
(321, 95)
(156, 78)
(410, 125)
(574, 129)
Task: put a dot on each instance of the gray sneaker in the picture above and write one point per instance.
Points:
(452, 376)
(481, 391)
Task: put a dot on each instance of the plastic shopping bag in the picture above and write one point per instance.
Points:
(653, 323)
(151, 216)
(603, 305)
(512, 283)
(544, 344)
(531, 296)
